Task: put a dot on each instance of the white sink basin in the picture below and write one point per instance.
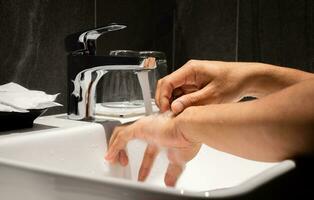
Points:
(64, 160)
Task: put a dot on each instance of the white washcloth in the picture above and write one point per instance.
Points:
(4, 108)
(15, 98)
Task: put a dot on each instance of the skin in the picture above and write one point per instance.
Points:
(210, 82)
(203, 97)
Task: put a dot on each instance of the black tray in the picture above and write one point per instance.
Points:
(14, 120)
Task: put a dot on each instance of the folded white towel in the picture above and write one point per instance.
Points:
(15, 98)
(12, 87)
(4, 108)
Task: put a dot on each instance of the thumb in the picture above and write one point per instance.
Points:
(187, 100)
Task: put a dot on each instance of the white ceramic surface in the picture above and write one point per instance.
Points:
(70, 154)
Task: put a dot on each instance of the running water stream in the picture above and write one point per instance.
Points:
(144, 83)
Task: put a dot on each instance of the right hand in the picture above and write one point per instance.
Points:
(200, 83)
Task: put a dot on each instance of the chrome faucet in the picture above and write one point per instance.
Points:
(85, 69)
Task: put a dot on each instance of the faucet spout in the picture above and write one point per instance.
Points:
(85, 83)
(85, 70)
(88, 38)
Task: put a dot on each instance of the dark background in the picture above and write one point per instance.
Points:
(273, 31)
(32, 34)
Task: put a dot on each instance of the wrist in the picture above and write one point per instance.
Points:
(191, 122)
(184, 122)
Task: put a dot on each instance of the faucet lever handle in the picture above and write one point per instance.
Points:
(88, 38)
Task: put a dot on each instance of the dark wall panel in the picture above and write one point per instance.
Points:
(32, 41)
(150, 25)
(205, 29)
(32, 34)
(278, 32)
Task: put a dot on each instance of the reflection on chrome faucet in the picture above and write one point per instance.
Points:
(85, 69)
(86, 81)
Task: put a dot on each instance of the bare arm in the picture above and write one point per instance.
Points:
(201, 82)
(276, 127)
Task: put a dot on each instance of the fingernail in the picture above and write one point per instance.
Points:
(164, 106)
(170, 181)
(177, 106)
(142, 175)
(141, 178)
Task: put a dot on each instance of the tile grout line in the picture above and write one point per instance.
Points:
(95, 13)
(237, 32)
(174, 24)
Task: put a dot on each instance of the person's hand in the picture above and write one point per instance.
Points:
(199, 83)
(158, 131)
(211, 82)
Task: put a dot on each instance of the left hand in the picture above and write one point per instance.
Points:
(158, 131)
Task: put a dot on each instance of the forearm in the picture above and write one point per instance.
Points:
(273, 128)
(263, 79)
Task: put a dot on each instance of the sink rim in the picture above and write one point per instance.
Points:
(105, 179)
(245, 187)
(248, 185)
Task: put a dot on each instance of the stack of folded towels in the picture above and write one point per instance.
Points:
(15, 98)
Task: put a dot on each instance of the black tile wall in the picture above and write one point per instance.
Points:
(32, 41)
(278, 31)
(205, 29)
(150, 25)
(32, 34)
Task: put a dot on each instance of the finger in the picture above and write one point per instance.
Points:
(173, 173)
(123, 158)
(186, 89)
(157, 93)
(115, 132)
(119, 143)
(166, 86)
(111, 140)
(148, 161)
(164, 94)
(115, 159)
(177, 93)
(195, 98)
(113, 136)
(120, 137)
(113, 152)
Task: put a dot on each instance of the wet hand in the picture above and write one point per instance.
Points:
(199, 83)
(158, 131)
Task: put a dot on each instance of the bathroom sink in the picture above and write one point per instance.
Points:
(63, 159)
